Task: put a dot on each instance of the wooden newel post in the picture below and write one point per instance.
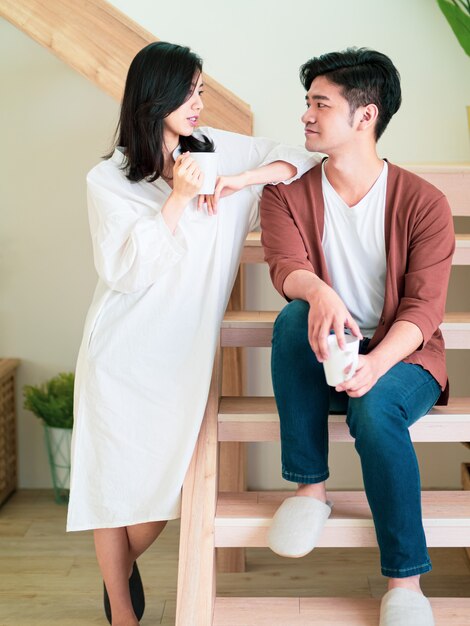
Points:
(232, 474)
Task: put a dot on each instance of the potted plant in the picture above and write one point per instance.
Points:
(457, 13)
(52, 402)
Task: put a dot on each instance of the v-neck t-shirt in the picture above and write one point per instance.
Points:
(354, 247)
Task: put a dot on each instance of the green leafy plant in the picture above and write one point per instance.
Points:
(457, 13)
(52, 401)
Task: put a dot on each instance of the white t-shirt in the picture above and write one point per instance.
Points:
(354, 248)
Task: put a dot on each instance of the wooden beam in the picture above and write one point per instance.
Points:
(99, 42)
(196, 568)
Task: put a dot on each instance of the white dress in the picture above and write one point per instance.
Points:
(146, 357)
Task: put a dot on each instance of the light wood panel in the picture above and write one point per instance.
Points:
(324, 611)
(99, 42)
(453, 179)
(243, 519)
(253, 251)
(257, 419)
(254, 328)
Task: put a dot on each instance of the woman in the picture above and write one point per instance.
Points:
(166, 269)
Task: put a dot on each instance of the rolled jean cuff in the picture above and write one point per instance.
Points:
(406, 572)
(305, 479)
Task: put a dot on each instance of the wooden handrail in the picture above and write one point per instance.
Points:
(99, 42)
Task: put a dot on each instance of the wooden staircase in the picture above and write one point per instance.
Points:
(213, 519)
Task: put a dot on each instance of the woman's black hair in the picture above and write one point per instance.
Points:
(365, 77)
(160, 79)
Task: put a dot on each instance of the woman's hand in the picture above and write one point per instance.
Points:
(224, 186)
(187, 177)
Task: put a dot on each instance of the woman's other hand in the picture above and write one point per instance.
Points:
(224, 186)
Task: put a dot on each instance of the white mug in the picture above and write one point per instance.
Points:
(208, 163)
(339, 360)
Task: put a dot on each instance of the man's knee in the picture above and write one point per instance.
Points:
(371, 420)
(291, 325)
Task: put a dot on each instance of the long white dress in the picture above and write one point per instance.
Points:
(145, 362)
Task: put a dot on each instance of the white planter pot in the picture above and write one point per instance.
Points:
(58, 442)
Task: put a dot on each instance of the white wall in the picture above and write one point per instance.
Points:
(55, 126)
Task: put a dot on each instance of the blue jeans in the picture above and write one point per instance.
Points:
(378, 422)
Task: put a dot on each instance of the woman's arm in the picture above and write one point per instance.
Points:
(254, 161)
(275, 172)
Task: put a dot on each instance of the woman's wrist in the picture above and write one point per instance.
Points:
(178, 200)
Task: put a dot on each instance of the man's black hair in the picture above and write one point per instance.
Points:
(365, 77)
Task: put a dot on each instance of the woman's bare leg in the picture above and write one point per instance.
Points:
(116, 551)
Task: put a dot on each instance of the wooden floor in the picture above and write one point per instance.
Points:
(48, 577)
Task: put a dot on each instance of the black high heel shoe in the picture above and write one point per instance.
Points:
(136, 590)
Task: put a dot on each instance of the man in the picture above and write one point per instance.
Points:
(360, 244)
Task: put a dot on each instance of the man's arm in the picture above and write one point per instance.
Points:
(421, 308)
(294, 277)
(402, 339)
(327, 310)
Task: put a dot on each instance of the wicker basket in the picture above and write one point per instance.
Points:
(8, 454)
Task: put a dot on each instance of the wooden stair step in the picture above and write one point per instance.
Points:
(256, 419)
(324, 611)
(254, 329)
(253, 250)
(243, 519)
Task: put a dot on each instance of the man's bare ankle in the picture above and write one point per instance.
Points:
(411, 583)
(316, 490)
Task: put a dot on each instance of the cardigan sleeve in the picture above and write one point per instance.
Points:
(130, 250)
(284, 247)
(431, 248)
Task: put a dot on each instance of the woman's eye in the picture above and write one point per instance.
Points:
(201, 92)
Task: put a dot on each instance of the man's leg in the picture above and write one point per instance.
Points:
(379, 423)
(303, 400)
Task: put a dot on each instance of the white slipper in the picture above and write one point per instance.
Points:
(404, 607)
(297, 525)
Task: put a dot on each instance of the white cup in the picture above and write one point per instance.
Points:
(339, 360)
(208, 162)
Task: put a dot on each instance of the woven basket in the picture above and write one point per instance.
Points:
(8, 453)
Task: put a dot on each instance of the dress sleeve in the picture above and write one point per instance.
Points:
(265, 151)
(131, 251)
(428, 269)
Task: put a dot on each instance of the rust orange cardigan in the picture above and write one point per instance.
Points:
(419, 240)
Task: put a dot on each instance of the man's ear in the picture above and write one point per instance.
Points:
(368, 116)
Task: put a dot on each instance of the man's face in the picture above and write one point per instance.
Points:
(329, 126)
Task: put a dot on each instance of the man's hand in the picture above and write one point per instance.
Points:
(367, 373)
(328, 311)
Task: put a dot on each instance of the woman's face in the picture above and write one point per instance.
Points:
(184, 119)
